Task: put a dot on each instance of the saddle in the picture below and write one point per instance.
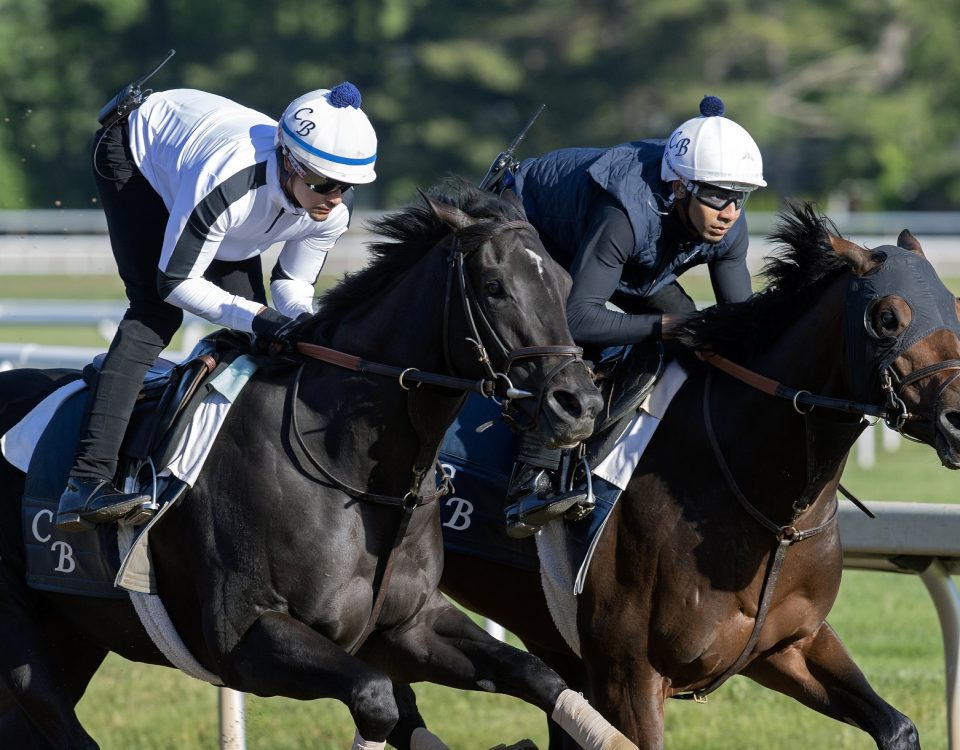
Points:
(625, 378)
(169, 396)
(87, 563)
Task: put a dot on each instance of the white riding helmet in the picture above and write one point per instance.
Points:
(325, 132)
(713, 149)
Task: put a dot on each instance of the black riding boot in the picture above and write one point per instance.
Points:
(533, 499)
(88, 501)
(90, 496)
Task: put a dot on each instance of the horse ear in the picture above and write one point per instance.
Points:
(858, 258)
(449, 215)
(511, 197)
(907, 241)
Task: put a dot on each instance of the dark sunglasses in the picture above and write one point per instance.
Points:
(328, 186)
(717, 198)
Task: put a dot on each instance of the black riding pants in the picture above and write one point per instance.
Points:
(137, 220)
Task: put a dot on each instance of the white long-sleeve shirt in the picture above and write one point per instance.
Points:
(214, 164)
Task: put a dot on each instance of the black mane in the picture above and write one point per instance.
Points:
(795, 274)
(408, 234)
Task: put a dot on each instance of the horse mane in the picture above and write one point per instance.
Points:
(796, 272)
(409, 234)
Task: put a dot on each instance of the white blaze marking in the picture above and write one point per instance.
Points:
(536, 259)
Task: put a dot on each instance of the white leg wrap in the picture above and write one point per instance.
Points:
(361, 744)
(424, 739)
(587, 727)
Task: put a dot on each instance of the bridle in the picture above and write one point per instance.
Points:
(496, 384)
(463, 244)
(893, 411)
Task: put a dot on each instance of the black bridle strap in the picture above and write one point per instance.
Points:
(925, 372)
(789, 530)
(403, 375)
(797, 396)
(473, 312)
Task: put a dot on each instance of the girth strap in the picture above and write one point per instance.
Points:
(785, 536)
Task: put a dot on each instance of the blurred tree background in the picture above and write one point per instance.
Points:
(854, 103)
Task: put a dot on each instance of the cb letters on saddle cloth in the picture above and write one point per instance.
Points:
(42, 445)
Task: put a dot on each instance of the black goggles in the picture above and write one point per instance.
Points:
(717, 198)
(327, 186)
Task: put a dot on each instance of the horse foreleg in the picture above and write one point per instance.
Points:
(571, 669)
(819, 673)
(442, 645)
(410, 721)
(45, 666)
(280, 655)
(631, 696)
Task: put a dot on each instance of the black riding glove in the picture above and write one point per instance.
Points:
(278, 331)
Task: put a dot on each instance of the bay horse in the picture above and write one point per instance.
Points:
(305, 560)
(722, 556)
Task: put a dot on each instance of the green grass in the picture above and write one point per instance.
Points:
(886, 620)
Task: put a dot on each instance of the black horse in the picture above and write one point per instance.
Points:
(722, 556)
(305, 560)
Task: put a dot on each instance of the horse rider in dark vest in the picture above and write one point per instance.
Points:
(195, 188)
(626, 222)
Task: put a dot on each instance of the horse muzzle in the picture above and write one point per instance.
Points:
(567, 414)
(947, 437)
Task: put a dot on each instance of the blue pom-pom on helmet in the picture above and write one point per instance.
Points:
(345, 95)
(712, 106)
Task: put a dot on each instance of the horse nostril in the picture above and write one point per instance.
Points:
(576, 406)
(950, 419)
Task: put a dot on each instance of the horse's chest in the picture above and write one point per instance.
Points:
(338, 595)
(712, 627)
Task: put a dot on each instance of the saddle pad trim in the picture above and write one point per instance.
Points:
(620, 463)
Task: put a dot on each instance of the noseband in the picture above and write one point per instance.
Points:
(479, 329)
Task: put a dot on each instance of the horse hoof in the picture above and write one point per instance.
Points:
(521, 745)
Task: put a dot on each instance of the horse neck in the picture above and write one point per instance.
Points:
(785, 459)
(404, 326)
(384, 428)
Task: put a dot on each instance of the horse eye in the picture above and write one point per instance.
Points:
(886, 321)
(494, 288)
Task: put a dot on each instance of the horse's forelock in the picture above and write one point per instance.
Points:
(480, 204)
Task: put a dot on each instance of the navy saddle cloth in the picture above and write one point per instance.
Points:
(75, 563)
(480, 463)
